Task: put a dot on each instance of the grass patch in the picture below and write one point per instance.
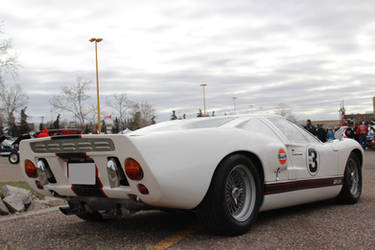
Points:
(20, 184)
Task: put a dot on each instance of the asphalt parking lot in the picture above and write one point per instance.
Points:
(322, 225)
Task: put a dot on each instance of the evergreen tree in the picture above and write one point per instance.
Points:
(104, 127)
(56, 123)
(173, 116)
(41, 127)
(116, 126)
(184, 116)
(12, 127)
(24, 127)
(213, 113)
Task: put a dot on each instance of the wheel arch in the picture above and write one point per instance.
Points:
(250, 155)
(359, 156)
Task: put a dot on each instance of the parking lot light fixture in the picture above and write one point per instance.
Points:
(203, 85)
(97, 40)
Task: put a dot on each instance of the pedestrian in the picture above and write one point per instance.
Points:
(309, 127)
(321, 133)
(362, 131)
(330, 135)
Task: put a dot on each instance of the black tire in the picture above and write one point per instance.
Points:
(227, 209)
(91, 217)
(352, 186)
(14, 157)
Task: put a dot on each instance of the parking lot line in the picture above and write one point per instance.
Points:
(173, 239)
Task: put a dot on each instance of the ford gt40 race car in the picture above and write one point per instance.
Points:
(227, 169)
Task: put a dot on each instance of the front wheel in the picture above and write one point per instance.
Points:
(352, 186)
(14, 157)
(234, 197)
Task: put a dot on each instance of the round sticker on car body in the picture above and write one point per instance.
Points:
(282, 156)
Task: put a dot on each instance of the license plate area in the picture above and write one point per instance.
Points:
(82, 173)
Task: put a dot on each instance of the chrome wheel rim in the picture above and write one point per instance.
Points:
(13, 158)
(353, 177)
(240, 195)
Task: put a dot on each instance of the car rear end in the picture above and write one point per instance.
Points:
(103, 172)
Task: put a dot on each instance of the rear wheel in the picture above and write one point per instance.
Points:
(14, 157)
(352, 186)
(234, 197)
(91, 217)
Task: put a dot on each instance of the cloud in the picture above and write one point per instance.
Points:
(307, 54)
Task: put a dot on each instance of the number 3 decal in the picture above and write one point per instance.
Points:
(312, 161)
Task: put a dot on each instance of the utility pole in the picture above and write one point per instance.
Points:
(97, 40)
(203, 85)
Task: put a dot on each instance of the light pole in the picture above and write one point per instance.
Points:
(234, 103)
(203, 85)
(97, 40)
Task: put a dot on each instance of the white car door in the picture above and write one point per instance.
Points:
(309, 157)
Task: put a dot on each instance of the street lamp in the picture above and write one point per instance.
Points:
(203, 85)
(234, 103)
(97, 40)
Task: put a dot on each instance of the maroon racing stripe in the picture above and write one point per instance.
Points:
(302, 184)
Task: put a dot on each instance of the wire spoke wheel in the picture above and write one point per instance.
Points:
(353, 177)
(240, 193)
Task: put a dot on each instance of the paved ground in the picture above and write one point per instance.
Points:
(313, 226)
(9, 172)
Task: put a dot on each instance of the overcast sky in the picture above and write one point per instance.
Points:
(310, 55)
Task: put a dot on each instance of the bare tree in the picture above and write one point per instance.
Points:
(120, 103)
(142, 114)
(74, 100)
(8, 59)
(12, 99)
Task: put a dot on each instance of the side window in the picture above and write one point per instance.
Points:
(290, 131)
(258, 126)
(309, 136)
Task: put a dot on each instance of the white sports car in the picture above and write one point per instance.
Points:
(225, 168)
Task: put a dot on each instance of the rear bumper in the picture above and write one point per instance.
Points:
(122, 149)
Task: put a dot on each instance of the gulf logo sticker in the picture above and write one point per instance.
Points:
(282, 156)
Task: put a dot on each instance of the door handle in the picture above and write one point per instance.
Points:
(297, 153)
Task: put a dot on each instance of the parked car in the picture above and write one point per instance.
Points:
(226, 169)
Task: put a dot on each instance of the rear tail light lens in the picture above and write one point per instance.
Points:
(142, 189)
(30, 169)
(133, 169)
(38, 185)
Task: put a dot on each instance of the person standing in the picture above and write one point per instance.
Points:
(362, 131)
(330, 135)
(321, 133)
(309, 127)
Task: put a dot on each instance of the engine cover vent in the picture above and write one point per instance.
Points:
(73, 145)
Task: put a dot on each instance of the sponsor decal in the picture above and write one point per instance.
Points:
(282, 156)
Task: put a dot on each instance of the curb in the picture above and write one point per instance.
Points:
(27, 214)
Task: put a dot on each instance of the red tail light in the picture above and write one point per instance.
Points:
(38, 185)
(133, 169)
(30, 169)
(142, 189)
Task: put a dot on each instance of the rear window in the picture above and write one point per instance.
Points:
(185, 124)
(209, 123)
